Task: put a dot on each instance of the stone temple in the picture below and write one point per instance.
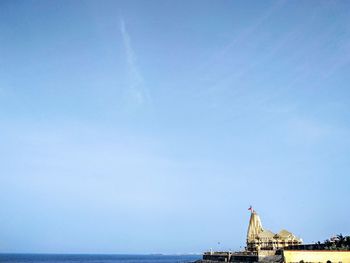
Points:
(264, 246)
(259, 238)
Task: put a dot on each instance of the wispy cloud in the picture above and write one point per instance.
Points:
(243, 37)
(137, 93)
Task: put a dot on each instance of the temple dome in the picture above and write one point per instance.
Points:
(285, 234)
(266, 234)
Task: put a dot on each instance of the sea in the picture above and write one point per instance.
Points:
(61, 258)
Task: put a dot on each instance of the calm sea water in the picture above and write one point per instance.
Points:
(50, 258)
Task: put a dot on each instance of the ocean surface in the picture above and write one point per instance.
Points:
(60, 258)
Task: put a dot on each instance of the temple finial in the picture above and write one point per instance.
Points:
(251, 209)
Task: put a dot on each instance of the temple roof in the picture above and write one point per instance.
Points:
(266, 234)
(285, 233)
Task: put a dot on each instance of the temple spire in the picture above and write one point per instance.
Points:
(255, 226)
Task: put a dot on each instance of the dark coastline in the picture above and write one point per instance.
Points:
(95, 258)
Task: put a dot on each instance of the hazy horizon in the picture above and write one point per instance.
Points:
(151, 126)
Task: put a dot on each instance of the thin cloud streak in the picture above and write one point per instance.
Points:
(137, 93)
(246, 34)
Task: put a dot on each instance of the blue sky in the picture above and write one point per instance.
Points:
(151, 126)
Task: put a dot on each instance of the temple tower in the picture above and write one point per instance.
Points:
(255, 227)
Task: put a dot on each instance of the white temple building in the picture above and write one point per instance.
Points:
(259, 238)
